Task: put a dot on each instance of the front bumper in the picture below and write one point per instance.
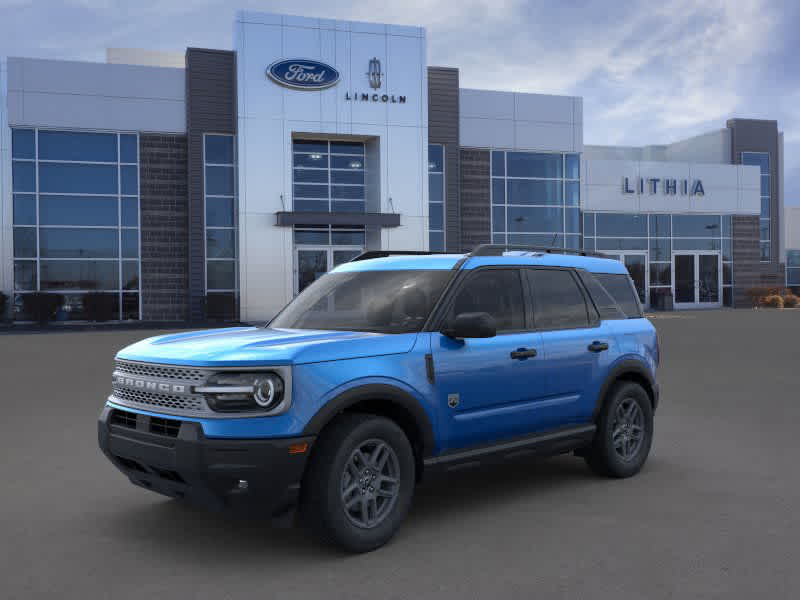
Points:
(174, 458)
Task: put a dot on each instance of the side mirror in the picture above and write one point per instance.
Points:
(471, 325)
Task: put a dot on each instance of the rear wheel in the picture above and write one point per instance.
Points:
(624, 432)
(359, 485)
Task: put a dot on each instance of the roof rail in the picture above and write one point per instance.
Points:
(384, 253)
(499, 249)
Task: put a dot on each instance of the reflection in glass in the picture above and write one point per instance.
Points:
(66, 178)
(77, 146)
(80, 275)
(57, 242)
(220, 243)
(221, 274)
(77, 210)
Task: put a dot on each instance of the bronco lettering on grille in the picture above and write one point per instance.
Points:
(153, 386)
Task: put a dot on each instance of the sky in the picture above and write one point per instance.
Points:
(650, 72)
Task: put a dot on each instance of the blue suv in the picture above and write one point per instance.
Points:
(388, 367)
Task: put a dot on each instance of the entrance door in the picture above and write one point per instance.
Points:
(311, 263)
(697, 279)
(636, 263)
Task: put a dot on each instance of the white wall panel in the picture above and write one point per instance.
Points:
(486, 133)
(486, 104)
(540, 135)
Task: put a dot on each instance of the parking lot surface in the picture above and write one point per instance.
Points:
(714, 514)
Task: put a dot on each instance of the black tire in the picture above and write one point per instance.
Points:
(620, 455)
(330, 473)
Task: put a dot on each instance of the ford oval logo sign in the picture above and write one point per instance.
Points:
(303, 74)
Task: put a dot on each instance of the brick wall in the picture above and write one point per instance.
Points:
(476, 217)
(165, 231)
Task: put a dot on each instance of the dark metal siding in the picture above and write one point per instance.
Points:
(443, 119)
(746, 254)
(476, 217)
(210, 108)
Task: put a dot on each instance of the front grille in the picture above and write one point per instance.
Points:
(123, 418)
(186, 404)
(161, 426)
(161, 372)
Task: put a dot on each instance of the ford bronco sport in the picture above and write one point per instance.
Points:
(391, 365)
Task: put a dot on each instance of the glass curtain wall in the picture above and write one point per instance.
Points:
(76, 220)
(793, 269)
(436, 197)
(536, 199)
(328, 176)
(761, 160)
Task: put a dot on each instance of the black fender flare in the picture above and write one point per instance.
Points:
(376, 392)
(619, 371)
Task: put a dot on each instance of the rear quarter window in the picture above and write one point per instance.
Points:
(620, 288)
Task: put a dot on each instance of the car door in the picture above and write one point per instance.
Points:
(486, 387)
(577, 347)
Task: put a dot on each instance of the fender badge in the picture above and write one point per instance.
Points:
(452, 400)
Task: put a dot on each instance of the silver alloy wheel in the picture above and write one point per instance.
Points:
(370, 483)
(628, 429)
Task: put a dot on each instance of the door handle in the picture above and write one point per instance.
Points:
(597, 346)
(523, 353)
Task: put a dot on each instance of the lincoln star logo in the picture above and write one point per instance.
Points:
(303, 74)
(151, 386)
(374, 74)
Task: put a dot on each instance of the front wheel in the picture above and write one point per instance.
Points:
(624, 432)
(359, 485)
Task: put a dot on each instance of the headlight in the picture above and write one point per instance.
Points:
(245, 392)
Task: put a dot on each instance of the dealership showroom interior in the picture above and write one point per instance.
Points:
(216, 184)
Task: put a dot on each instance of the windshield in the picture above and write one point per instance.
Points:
(382, 301)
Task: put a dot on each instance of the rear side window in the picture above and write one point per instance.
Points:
(494, 291)
(558, 302)
(606, 305)
(621, 290)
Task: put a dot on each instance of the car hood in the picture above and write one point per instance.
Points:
(254, 346)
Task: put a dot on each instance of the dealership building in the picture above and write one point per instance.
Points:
(218, 184)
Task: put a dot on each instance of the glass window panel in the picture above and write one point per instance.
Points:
(23, 176)
(696, 225)
(588, 224)
(24, 209)
(57, 242)
(77, 179)
(793, 277)
(660, 249)
(532, 164)
(621, 243)
(793, 258)
(727, 297)
(436, 187)
(497, 292)
(347, 192)
(129, 180)
(347, 148)
(435, 158)
(436, 216)
(355, 177)
(25, 275)
(557, 299)
(498, 218)
(130, 274)
(130, 212)
(130, 307)
(77, 210)
(660, 226)
(219, 181)
(314, 160)
(695, 244)
(765, 207)
(348, 238)
(498, 191)
(23, 143)
(572, 190)
(219, 212)
(727, 225)
(311, 175)
(348, 206)
(310, 191)
(766, 251)
(573, 242)
(79, 275)
(759, 159)
(25, 242)
(219, 149)
(765, 185)
(588, 243)
(220, 243)
(573, 166)
(660, 274)
(221, 274)
(312, 237)
(555, 240)
(345, 162)
(310, 146)
(130, 243)
(623, 225)
(498, 163)
(78, 146)
(763, 229)
(436, 241)
(727, 273)
(572, 220)
(498, 238)
(524, 219)
(527, 191)
(128, 148)
(311, 205)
